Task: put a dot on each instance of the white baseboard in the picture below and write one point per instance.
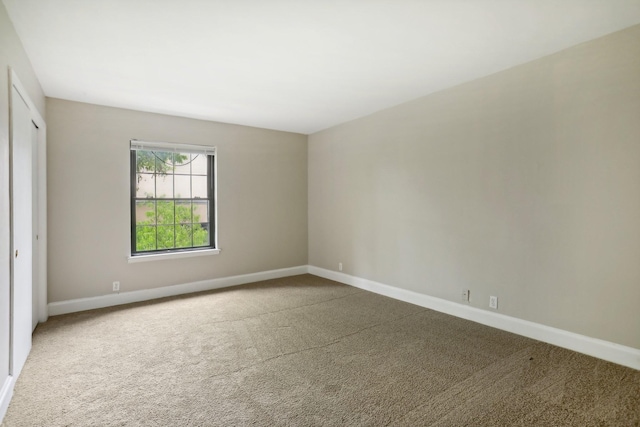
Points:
(6, 392)
(82, 304)
(616, 353)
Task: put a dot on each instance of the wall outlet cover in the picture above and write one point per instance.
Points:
(493, 302)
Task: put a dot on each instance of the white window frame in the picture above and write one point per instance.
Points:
(178, 253)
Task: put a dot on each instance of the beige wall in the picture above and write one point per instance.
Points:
(524, 184)
(262, 199)
(12, 55)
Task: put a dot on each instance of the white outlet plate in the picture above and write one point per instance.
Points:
(340, 266)
(116, 286)
(465, 295)
(493, 302)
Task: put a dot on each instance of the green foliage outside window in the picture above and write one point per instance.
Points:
(160, 162)
(173, 221)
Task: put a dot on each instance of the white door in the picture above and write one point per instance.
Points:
(35, 232)
(21, 217)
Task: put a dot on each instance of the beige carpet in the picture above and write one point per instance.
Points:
(305, 351)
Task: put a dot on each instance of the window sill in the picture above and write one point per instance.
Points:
(172, 255)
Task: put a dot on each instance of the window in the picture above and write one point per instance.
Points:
(172, 198)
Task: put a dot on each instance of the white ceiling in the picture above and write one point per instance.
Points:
(294, 65)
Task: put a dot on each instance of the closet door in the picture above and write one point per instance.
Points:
(22, 224)
(35, 202)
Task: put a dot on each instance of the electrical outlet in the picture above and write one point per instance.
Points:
(465, 295)
(493, 302)
(116, 286)
(340, 266)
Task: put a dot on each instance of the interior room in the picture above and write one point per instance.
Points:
(319, 213)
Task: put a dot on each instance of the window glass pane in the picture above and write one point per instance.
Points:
(183, 212)
(199, 187)
(183, 187)
(172, 209)
(182, 163)
(146, 212)
(165, 237)
(145, 238)
(199, 164)
(145, 185)
(164, 162)
(145, 161)
(200, 234)
(184, 234)
(164, 186)
(200, 211)
(165, 212)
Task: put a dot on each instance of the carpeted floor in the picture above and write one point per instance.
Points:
(305, 351)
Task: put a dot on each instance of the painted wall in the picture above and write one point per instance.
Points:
(262, 199)
(524, 184)
(12, 55)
